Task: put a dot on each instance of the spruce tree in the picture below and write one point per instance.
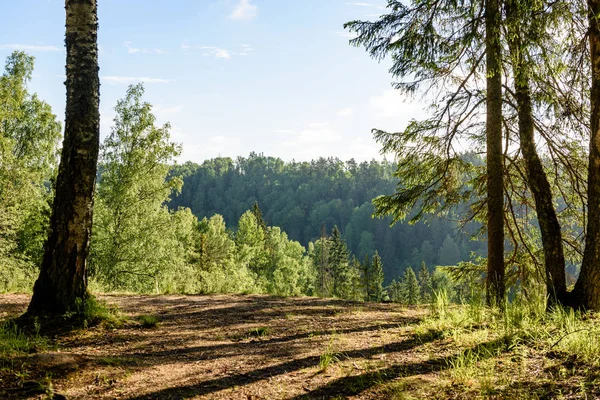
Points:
(257, 212)
(338, 262)
(395, 291)
(366, 276)
(412, 290)
(376, 279)
(426, 284)
(355, 286)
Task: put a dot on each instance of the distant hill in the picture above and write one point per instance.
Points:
(301, 197)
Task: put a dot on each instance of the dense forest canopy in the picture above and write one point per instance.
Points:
(302, 197)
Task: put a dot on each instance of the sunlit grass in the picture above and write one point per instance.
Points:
(487, 337)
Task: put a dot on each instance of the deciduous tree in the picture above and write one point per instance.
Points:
(62, 282)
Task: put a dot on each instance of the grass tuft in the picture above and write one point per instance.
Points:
(14, 341)
(148, 321)
(259, 332)
(329, 357)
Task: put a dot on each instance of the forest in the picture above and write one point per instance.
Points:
(304, 197)
(466, 267)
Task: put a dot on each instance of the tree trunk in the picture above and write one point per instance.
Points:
(495, 185)
(63, 276)
(537, 180)
(587, 289)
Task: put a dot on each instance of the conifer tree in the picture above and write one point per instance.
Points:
(395, 291)
(440, 44)
(412, 290)
(320, 257)
(257, 212)
(365, 267)
(426, 284)
(338, 262)
(323, 255)
(376, 279)
(354, 287)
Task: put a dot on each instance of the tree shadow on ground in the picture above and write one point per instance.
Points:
(252, 347)
(196, 329)
(230, 381)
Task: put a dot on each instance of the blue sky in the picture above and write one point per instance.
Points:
(232, 76)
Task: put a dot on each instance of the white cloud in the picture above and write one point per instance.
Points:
(315, 134)
(163, 113)
(392, 104)
(29, 47)
(244, 10)
(222, 53)
(346, 112)
(128, 80)
(136, 50)
(215, 145)
(362, 150)
(217, 52)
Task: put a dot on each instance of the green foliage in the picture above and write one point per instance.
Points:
(449, 252)
(339, 264)
(375, 289)
(329, 357)
(29, 135)
(251, 245)
(14, 341)
(217, 268)
(303, 197)
(137, 242)
(257, 212)
(426, 283)
(292, 274)
(148, 321)
(396, 292)
(259, 332)
(411, 287)
(318, 253)
(90, 311)
(140, 245)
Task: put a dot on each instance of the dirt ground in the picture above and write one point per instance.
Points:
(231, 347)
(251, 348)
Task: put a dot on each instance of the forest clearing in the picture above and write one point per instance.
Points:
(260, 347)
(436, 236)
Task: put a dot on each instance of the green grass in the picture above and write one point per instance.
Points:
(148, 321)
(494, 345)
(259, 332)
(329, 357)
(14, 341)
(87, 312)
(15, 344)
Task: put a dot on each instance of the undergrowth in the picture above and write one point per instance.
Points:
(14, 342)
(148, 321)
(493, 344)
(91, 312)
(330, 357)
